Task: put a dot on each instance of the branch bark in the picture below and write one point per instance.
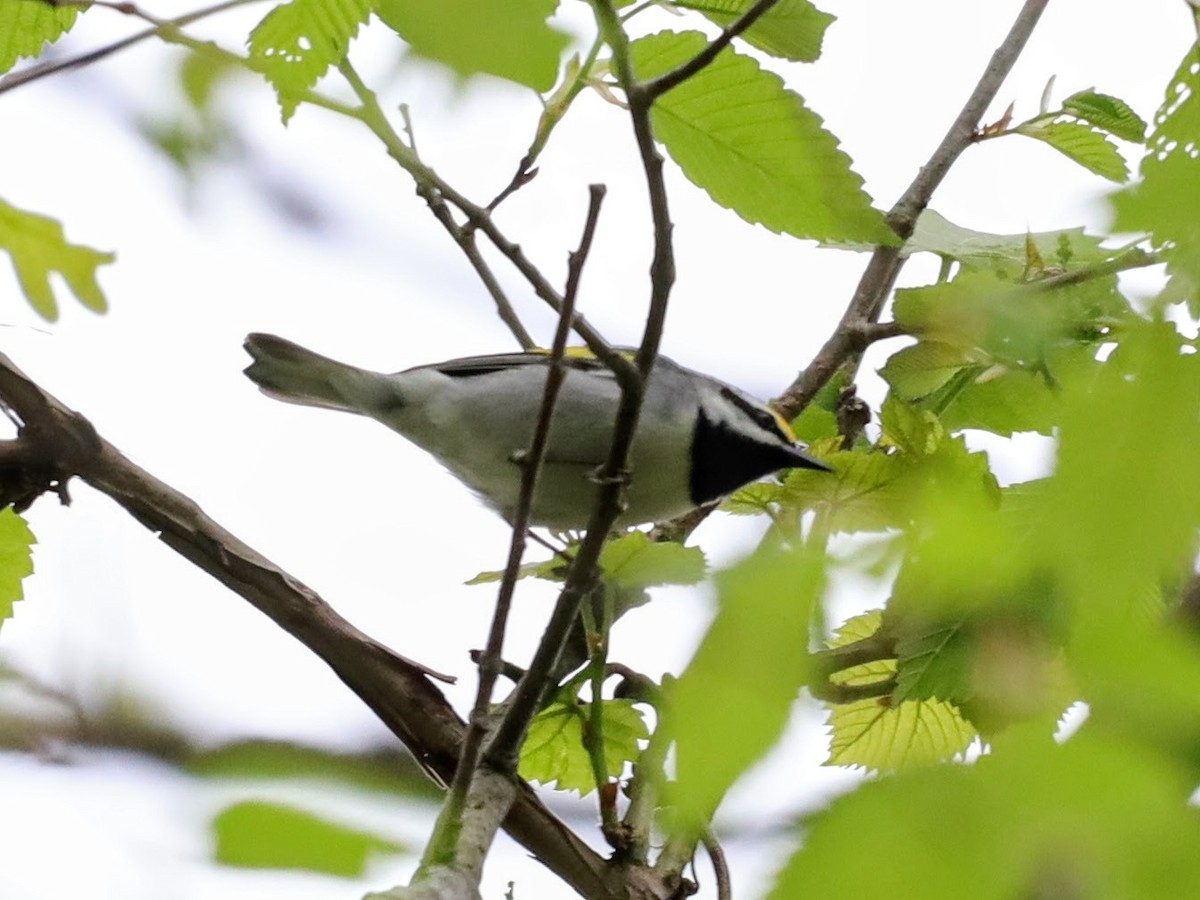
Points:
(57, 440)
(880, 274)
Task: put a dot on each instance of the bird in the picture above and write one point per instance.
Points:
(698, 439)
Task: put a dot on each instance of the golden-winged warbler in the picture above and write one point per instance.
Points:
(697, 439)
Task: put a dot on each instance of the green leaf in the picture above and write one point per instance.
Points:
(754, 499)
(1004, 253)
(863, 493)
(1082, 143)
(1122, 512)
(1092, 818)
(16, 560)
(37, 247)
(633, 560)
(506, 38)
(921, 369)
(738, 133)
(879, 734)
(554, 750)
(296, 43)
(732, 702)
(815, 423)
(1164, 202)
(554, 569)
(256, 834)
(28, 25)
(1108, 113)
(791, 29)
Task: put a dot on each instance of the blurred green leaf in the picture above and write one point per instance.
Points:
(26, 26)
(506, 38)
(1091, 818)
(791, 29)
(738, 133)
(1122, 513)
(1164, 202)
(633, 560)
(554, 751)
(296, 43)
(256, 834)
(16, 560)
(554, 569)
(38, 248)
(733, 700)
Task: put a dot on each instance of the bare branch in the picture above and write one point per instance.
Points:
(395, 689)
(656, 87)
(885, 264)
(460, 840)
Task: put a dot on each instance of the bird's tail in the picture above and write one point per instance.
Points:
(289, 372)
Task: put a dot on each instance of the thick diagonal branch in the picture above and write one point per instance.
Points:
(56, 442)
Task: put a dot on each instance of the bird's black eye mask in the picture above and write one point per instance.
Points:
(765, 418)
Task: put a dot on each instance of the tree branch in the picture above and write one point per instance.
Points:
(395, 688)
(460, 839)
(656, 87)
(880, 274)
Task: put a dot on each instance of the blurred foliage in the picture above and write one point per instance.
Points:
(258, 834)
(1005, 604)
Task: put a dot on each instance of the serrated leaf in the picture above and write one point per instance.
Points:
(28, 25)
(733, 700)
(554, 751)
(258, 834)
(506, 38)
(1108, 113)
(16, 560)
(933, 663)
(909, 428)
(633, 560)
(754, 499)
(862, 494)
(815, 423)
(37, 247)
(1082, 143)
(877, 734)
(296, 43)
(791, 29)
(738, 133)
(921, 369)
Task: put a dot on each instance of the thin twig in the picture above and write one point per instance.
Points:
(886, 261)
(371, 114)
(656, 87)
(398, 693)
(613, 474)
(444, 845)
(720, 864)
(14, 80)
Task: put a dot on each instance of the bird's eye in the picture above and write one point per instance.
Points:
(766, 419)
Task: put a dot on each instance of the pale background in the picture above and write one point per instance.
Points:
(348, 507)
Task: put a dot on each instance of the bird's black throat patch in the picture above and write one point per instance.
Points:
(724, 460)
